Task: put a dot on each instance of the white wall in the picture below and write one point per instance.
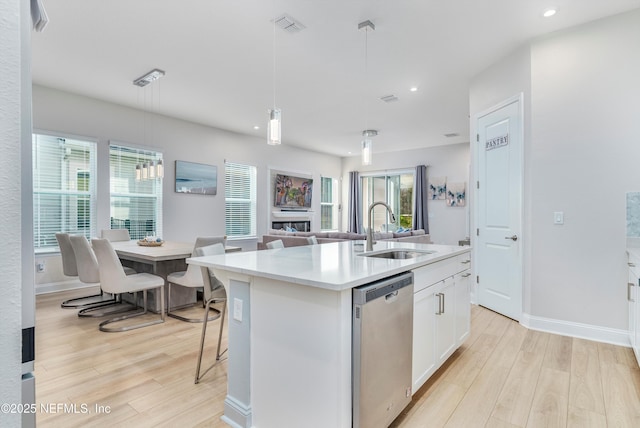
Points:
(10, 200)
(185, 216)
(586, 146)
(580, 158)
(447, 225)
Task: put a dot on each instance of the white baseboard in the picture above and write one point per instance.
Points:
(579, 330)
(55, 287)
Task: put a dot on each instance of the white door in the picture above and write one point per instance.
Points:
(498, 243)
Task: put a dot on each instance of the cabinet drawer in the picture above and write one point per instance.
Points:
(428, 275)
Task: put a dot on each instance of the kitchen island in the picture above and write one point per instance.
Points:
(290, 320)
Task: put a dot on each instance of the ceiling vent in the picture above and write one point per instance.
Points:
(389, 98)
(452, 134)
(289, 24)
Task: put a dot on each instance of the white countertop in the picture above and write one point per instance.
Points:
(335, 266)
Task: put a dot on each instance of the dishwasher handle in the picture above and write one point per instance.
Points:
(391, 297)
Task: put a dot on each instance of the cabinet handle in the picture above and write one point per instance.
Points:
(466, 275)
(440, 303)
(464, 262)
(629, 285)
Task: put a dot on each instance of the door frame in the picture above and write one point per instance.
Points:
(521, 197)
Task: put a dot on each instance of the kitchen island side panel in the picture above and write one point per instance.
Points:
(301, 355)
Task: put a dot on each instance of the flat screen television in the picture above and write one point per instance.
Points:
(292, 192)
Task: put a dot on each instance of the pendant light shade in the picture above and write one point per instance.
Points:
(152, 169)
(367, 147)
(145, 171)
(159, 169)
(138, 172)
(274, 131)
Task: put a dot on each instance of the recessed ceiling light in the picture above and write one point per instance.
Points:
(413, 88)
(549, 12)
(256, 127)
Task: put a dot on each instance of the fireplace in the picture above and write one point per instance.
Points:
(299, 225)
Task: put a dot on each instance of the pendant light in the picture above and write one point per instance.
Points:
(274, 128)
(149, 169)
(367, 143)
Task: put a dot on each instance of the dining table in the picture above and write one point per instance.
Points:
(160, 260)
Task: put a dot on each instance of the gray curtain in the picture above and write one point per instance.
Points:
(420, 218)
(355, 203)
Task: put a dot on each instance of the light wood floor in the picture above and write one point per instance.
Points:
(503, 376)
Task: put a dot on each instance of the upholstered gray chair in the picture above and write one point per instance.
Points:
(70, 268)
(276, 243)
(88, 273)
(192, 278)
(113, 280)
(115, 235)
(214, 291)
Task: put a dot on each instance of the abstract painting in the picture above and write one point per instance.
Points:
(437, 187)
(456, 195)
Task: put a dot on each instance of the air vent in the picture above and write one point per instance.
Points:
(289, 24)
(452, 134)
(389, 98)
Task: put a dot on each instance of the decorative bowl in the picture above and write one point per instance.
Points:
(145, 243)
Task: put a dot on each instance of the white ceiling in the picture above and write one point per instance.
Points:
(218, 58)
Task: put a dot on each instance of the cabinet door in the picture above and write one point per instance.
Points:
(444, 308)
(463, 306)
(424, 356)
(633, 297)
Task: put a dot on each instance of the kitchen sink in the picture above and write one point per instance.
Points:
(398, 253)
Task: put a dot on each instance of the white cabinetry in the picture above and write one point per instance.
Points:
(463, 305)
(445, 333)
(633, 297)
(441, 314)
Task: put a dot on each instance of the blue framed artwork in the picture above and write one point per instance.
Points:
(196, 178)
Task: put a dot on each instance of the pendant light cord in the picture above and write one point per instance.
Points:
(274, 60)
(366, 77)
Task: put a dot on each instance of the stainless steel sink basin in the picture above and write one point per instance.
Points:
(398, 253)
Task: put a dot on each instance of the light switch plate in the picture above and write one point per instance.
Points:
(558, 217)
(237, 309)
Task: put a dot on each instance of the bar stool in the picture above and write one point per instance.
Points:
(214, 291)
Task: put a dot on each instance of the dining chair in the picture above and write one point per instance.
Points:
(312, 240)
(88, 273)
(276, 243)
(192, 278)
(115, 235)
(214, 292)
(113, 280)
(70, 268)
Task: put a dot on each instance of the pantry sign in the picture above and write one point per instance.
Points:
(497, 142)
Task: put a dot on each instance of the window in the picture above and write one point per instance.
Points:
(240, 200)
(327, 204)
(64, 189)
(394, 188)
(136, 205)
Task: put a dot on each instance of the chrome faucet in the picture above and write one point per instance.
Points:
(370, 240)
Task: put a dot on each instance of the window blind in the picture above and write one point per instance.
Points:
(240, 200)
(327, 204)
(136, 205)
(64, 189)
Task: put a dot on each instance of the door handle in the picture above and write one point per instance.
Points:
(629, 285)
(513, 238)
(440, 303)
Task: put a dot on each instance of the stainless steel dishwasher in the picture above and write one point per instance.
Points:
(382, 350)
